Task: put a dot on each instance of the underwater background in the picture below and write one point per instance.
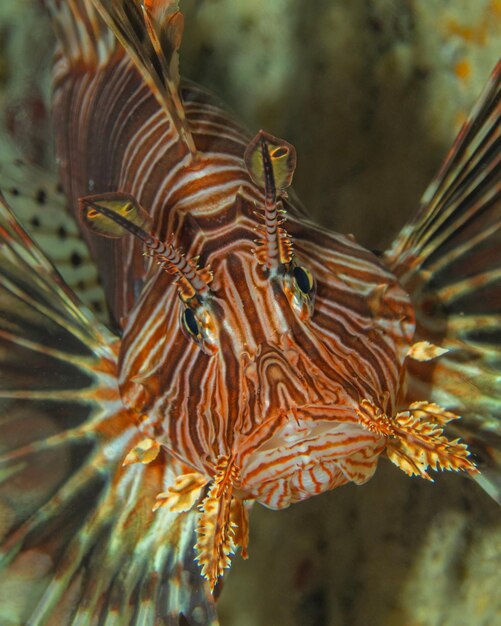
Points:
(371, 93)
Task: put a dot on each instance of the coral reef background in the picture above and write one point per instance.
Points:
(372, 94)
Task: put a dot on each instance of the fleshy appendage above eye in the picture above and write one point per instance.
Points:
(198, 325)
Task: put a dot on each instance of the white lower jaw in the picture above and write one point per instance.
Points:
(297, 463)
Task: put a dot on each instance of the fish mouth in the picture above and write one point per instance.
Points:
(309, 421)
(300, 424)
(305, 451)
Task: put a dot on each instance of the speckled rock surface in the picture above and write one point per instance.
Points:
(371, 94)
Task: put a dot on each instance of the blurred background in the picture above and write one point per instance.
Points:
(371, 93)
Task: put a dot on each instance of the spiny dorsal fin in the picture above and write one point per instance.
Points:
(151, 33)
(84, 38)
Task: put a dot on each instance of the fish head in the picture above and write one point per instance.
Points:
(270, 368)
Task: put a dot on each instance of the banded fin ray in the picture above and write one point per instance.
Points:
(79, 542)
(113, 135)
(151, 33)
(448, 258)
(84, 38)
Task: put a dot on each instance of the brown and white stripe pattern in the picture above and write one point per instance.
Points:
(278, 393)
(249, 397)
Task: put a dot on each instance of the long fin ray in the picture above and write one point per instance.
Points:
(84, 38)
(65, 500)
(448, 258)
(151, 36)
(465, 172)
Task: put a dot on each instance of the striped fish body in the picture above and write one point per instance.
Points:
(255, 394)
(128, 144)
(251, 355)
(279, 394)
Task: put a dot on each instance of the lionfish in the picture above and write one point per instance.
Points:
(250, 355)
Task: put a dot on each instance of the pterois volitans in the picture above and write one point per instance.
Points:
(250, 355)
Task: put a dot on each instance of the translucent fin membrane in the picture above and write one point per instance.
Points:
(448, 258)
(79, 543)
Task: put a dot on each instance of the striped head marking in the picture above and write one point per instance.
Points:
(252, 372)
(265, 358)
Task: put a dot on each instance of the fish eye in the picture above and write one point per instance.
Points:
(304, 280)
(200, 326)
(190, 323)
